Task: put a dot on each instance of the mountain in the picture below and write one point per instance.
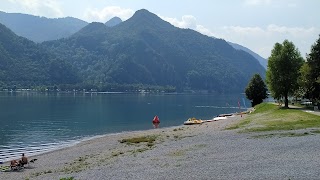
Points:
(113, 22)
(24, 63)
(261, 60)
(147, 50)
(39, 29)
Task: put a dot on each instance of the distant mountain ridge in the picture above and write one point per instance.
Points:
(39, 29)
(261, 60)
(113, 22)
(143, 51)
(147, 50)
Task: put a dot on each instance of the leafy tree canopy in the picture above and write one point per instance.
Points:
(256, 91)
(312, 72)
(283, 70)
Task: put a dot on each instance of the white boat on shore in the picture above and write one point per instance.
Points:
(219, 118)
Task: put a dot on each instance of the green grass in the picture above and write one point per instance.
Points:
(239, 125)
(264, 108)
(41, 173)
(68, 178)
(77, 165)
(179, 129)
(182, 152)
(117, 153)
(269, 117)
(135, 140)
(281, 135)
(316, 131)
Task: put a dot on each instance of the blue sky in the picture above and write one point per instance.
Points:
(256, 24)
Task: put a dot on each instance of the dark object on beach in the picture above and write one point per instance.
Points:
(33, 160)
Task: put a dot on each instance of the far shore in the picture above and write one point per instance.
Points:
(205, 151)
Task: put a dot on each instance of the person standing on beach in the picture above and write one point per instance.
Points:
(24, 160)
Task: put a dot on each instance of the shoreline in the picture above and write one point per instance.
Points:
(205, 151)
(91, 149)
(67, 144)
(55, 146)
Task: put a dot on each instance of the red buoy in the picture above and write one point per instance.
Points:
(156, 120)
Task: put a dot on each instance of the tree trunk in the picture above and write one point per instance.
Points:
(286, 102)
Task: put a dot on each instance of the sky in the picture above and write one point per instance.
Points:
(255, 24)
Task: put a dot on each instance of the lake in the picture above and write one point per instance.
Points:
(33, 122)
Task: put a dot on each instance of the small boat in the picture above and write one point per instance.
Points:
(156, 120)
(192, 121)
(225, 115)
(219, 118)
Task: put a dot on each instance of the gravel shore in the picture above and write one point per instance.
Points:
(204, 151)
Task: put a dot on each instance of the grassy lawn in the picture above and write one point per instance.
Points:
(270, 117)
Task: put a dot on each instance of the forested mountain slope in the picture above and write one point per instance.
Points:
(24, 63)
(261, 60)
(145, 49)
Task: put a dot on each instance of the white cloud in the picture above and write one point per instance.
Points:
(187, 21)
(243, 30)
(259, 39)
(271, 3)
(294, 31)
(205, 31)
(107, 13)
(48, 8)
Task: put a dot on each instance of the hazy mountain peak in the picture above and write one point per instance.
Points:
(113, 22)
(145, 19)
(143, 12)
(145, 15)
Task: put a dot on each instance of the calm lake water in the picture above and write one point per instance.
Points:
(34, 122)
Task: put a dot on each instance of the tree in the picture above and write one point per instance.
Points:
(313, 74)
(304, 81)
(284, 70)
(256, 91)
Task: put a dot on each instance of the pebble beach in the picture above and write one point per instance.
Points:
(205, 151)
